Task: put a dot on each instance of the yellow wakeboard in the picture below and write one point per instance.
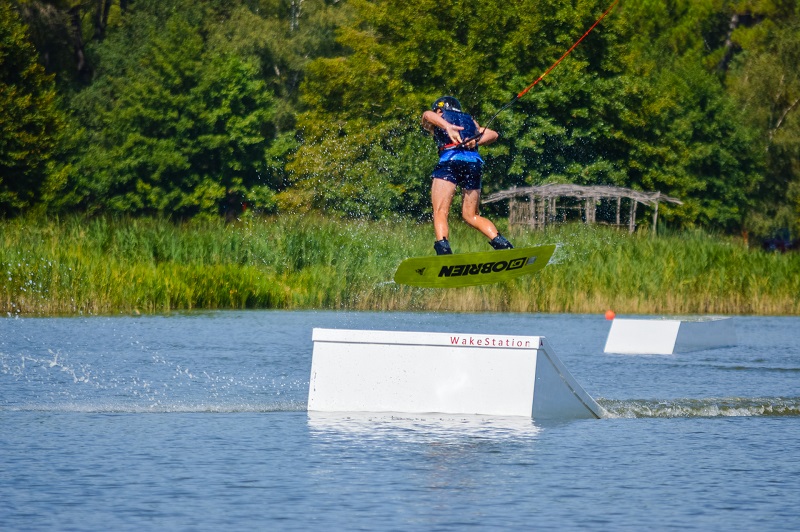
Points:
(471, 269)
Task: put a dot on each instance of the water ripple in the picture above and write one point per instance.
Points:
(710, 407)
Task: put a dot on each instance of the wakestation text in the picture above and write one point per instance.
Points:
(489, 341)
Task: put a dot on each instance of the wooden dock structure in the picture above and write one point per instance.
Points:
(537, 206)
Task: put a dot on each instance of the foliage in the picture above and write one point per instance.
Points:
(767, 84)
(644, 119)
(101, 266)
(173, 126)
(31, 121)
(195, 108)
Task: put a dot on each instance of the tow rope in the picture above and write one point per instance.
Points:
(540, 78)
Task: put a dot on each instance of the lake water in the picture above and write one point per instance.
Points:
(198, 422)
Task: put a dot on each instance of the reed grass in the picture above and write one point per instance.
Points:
(100, 266)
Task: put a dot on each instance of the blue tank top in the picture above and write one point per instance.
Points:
(447, 152)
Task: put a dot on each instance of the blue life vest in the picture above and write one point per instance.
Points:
(447, 150)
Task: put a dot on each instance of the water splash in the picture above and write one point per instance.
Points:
(54, 383)
(710, 407)
(163, 408)
(27, 364)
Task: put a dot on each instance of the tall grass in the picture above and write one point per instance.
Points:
(101, 266)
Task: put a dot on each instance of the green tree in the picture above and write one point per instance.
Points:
(363, 151)
(751, 46)
(60, 30)
(282, 36)
(31, 122)
(173, 125)
(766, 82)
(643, 111)
(192, 105)
(638, 108)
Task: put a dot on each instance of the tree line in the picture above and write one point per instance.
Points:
(187, 108)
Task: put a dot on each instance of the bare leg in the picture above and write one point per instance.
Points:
(442, 197)
(469, 211)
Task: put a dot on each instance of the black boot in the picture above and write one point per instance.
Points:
(500, 242)
(442, 247)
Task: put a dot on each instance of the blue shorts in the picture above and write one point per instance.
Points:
(465, 174)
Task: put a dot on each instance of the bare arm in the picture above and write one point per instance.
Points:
(487, 136)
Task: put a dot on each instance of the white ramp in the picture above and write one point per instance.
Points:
(667, 336)
(449, 373)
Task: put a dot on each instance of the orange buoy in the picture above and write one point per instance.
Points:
(610, 314)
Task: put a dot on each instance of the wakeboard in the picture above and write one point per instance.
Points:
(471, 269)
